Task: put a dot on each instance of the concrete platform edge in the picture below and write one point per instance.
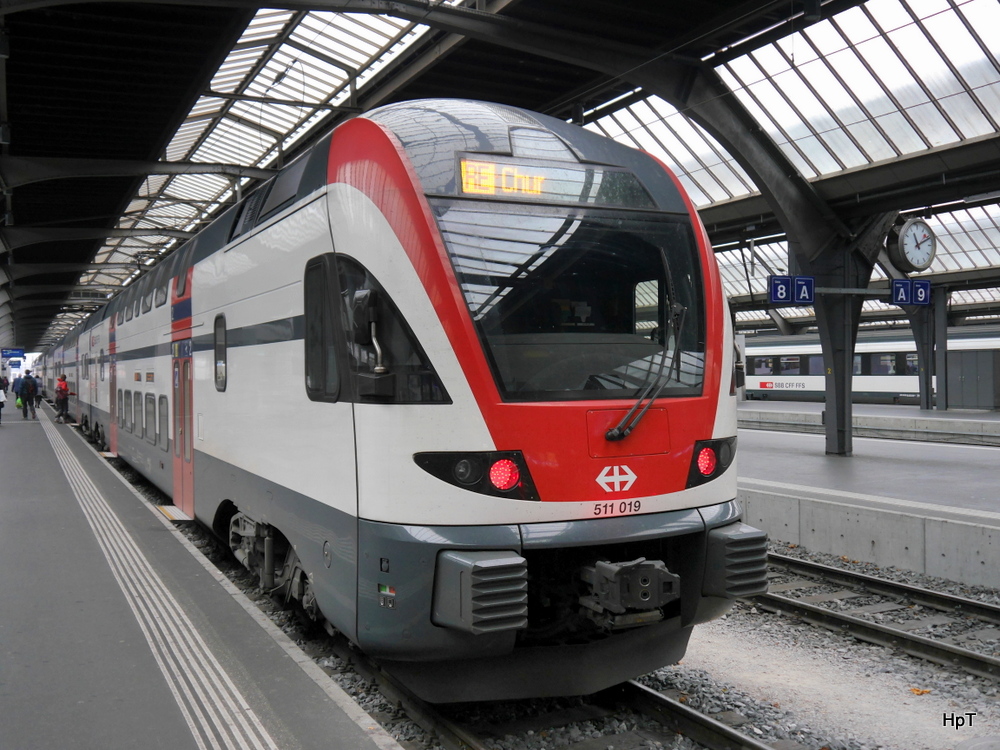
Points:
(963, 551)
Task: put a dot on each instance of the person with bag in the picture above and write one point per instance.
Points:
(62, 400)
(29, 389)
(3, 402)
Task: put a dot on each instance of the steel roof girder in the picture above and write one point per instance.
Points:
(16, 171)
(17, 237)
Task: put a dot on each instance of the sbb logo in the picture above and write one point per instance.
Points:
(766, 384)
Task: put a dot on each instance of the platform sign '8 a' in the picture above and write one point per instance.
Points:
(779, 289)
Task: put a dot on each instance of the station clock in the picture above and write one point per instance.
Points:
(912, 246)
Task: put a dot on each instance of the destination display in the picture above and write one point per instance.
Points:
(546, 183)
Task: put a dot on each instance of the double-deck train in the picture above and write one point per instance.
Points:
(460, 380)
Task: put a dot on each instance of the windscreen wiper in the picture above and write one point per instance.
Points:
(676, 324)
(628, 423)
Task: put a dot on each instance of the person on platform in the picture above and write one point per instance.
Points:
(27, 392)
(3, 402)
(62, 400)
(39, 391)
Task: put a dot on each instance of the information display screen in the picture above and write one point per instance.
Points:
(548, 183)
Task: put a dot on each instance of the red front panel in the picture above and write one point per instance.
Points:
(562, 442)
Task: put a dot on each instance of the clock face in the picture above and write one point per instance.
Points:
(917, 244)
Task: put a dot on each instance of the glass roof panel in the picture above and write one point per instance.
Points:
(866, 89)
(701, 164)
(882, 58)
(984, 15)
(967, 115)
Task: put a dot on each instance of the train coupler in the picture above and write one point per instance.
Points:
(628, 594)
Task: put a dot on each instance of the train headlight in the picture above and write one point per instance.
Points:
(468, 471)
(497, 473)
(710, 459)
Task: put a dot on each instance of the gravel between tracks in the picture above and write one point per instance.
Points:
(852, 695)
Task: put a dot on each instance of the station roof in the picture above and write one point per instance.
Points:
(127, 126)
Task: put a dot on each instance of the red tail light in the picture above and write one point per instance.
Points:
(710, 459)
(504, 474)
(707, 461)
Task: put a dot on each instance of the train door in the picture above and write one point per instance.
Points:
(113, 388)
(182, 393)
(183, 438)
(93, 365)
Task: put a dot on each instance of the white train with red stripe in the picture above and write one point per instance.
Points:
(460, 380)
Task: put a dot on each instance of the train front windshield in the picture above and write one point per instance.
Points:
(580, 303)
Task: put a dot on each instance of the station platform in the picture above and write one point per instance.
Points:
(116, 633)
(897, 421)
(927, 502)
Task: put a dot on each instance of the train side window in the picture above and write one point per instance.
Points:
(248, 212)
(127, 411)
(859, 360)
(137, 413)
(160, 298)
(883, 364)
(790, 365)
(147, 301)
(161, 435)
(816, 364)
(103, 362)
(284, 190)
(319, 288)
(221, 356)
(397, 369)
(761, 365)
(912, 365)
(149, 428)
(121, 408)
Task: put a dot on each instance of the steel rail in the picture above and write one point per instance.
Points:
(425, 715)
(925, 597)
(682, 719)
(882, 635)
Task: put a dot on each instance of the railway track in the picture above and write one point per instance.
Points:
(672, 715)
(942, 628)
